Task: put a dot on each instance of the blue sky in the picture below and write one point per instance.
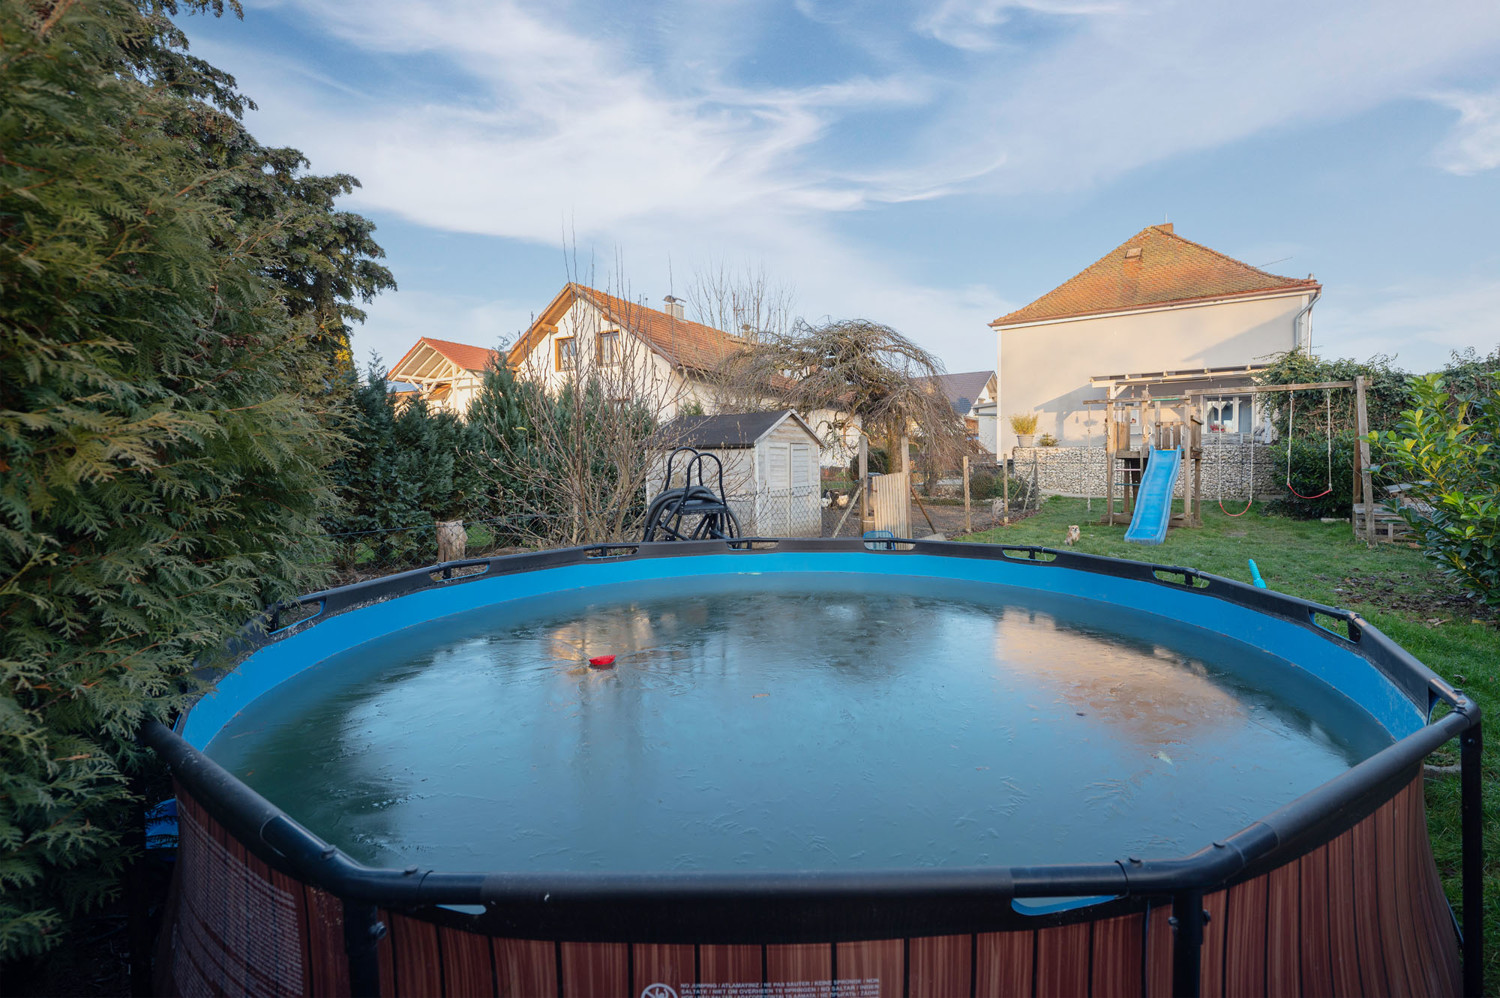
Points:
(929, 165)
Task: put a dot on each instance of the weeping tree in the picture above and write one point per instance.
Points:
(863, 377)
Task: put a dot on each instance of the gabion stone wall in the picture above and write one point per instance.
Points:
(1080, 471)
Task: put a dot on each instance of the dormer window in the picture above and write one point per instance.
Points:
(566, 353)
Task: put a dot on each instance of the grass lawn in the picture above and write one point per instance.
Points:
(1393, 587)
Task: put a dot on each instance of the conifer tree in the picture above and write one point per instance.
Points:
(405, 466)
(164, 434)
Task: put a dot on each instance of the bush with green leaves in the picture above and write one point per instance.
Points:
(164, 423)
(1385, 393)
(1444, 449)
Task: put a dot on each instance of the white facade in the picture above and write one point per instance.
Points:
(446, 375)
(1050, 367)
(585, 342)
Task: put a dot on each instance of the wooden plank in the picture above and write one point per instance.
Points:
(1160, 942)
(1445, 943)
(1343, 924)
(799, 962)
(1362, 451)
(729, 964)
(328, 964)
(1316, 956)
(525, 967)
(468, 963)
(385, 956)
(940, 966)
(1392, 925)
(1422, 969)
(1365, 861)
(1117, 953)
(1245, 953)
(1212, 962)
(594, 970)
(1284, 930)
(891, 503)
(655, 963)
(417, 957)
(882, 960)
(1002, 963)
(1062, 960)
(1267, 389)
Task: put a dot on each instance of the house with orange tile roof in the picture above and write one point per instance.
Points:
(630, 348)
(1156, 316)
(446, 374)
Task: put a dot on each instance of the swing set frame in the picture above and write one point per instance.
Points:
(1364, 493)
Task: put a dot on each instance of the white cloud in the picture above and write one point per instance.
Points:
(1419, 324)
(647, 139)
(1173, 76)
(1474, 144)
(975, 24)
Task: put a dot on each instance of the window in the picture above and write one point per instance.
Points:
(1223, 416)
(607, 348)
(567, 353)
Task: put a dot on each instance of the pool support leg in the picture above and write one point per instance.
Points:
(1187, 921)
(1471, 791)
(363, 931)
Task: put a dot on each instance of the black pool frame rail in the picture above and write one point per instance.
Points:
(762, 907)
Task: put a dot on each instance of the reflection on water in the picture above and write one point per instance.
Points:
(810, 722)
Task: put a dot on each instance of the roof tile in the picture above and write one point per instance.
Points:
(681, 341)
(470, 358)
(1153, 267)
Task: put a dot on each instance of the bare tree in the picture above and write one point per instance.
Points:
(863, 376)
(571, 464)
(746, 303)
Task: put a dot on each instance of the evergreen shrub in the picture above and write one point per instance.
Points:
(164, 422)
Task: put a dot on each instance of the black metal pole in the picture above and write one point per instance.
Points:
(362, 934)
(1187, 947)
(1471, 744)
(138, 892)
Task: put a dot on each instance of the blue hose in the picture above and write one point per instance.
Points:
(1255, 576)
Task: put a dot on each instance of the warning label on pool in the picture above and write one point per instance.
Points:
(844, 987)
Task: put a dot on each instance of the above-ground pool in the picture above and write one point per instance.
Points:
(806, 768)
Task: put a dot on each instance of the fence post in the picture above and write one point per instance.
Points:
(452, 541)
(864, 480)
(1362, 455)
(968, 522)
(1005, 489)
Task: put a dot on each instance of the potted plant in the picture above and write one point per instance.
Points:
(1023, 425)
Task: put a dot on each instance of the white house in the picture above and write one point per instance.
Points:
(972, 395)
(1158, 314)
(639, 352)
(446, 374)
(770, 465)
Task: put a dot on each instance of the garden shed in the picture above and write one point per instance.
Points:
(770, 468)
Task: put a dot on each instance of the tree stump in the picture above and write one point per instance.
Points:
(451, 540)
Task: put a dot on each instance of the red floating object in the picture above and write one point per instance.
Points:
(602, 661)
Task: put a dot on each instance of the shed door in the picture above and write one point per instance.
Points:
(778, 467)
(801, 473)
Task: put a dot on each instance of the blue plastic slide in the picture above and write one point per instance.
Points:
(1153, 500)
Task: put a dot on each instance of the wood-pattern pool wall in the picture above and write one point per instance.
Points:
(1362, 914)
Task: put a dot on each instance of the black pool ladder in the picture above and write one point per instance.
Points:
(692, 511)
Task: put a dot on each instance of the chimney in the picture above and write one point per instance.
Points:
(673, 307)
(1165, 226)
